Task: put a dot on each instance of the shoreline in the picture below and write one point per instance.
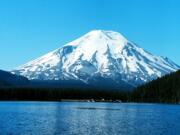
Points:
(86, 101)
(68, 100)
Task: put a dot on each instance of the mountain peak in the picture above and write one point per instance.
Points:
(102, 31)
(97, 32)
(111, 35)
(100, 39)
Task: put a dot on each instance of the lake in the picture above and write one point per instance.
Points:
(83, 118)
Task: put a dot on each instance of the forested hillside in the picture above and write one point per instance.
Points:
(8, 79)
(162, 90)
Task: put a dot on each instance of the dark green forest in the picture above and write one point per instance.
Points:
(162, 90)
(58, 94)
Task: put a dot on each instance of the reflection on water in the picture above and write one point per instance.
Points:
(98, 108)
(77, 118)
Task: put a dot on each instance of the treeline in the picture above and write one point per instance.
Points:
(9, 79)
(162, 90)
(58, 94)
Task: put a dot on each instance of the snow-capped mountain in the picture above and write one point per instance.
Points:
(99, 56)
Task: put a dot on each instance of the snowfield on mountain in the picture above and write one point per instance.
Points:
(99, 58)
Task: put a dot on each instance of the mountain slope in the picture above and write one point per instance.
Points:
(8, 79)
(165, 90)
(98, 57)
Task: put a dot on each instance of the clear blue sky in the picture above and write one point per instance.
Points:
(31, 28)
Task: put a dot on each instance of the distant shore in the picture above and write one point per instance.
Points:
(78, 95)
(90, 100)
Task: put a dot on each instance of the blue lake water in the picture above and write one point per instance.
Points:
(81, 118)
